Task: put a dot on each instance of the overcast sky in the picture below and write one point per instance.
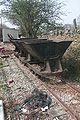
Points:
(72, 9)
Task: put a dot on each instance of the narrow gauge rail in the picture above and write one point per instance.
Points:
(13, 115)
(36, 72)
(66, 107)
(73, 87)
(69, 95)
(69, 110)
(70, 86)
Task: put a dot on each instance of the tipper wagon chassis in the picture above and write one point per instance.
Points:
(42, 56)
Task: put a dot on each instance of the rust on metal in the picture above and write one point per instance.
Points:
(74, 88)
(68, 109)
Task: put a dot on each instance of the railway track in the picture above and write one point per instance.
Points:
(51, 91)
(69, 96)
(8, 77)
(42, 85)
(74, 87)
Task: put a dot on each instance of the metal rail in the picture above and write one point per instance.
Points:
(67, 109)
(37, 72)
(73, 88)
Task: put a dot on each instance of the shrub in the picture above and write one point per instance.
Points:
(71, 68)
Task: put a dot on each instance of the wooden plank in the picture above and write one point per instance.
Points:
(1, 110)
